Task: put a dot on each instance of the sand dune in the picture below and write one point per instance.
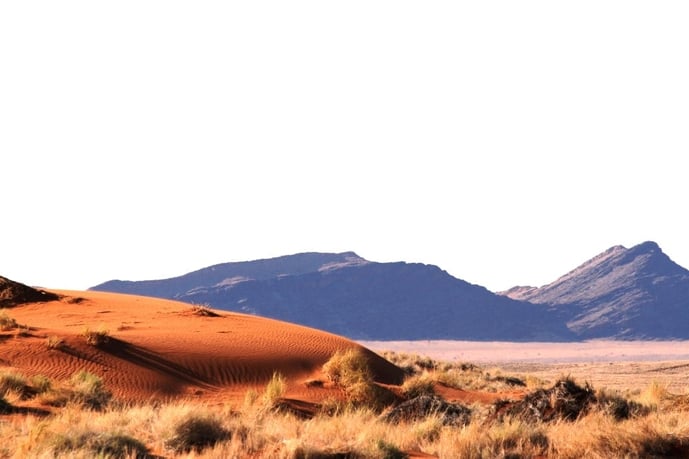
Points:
(161, 349)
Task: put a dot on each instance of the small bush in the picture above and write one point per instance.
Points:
(96, 337)
(203, 311)
(13, 382)
(54, 342)
(425, 406)
(346, 368)
(349, 370)
(88, 390)
(83, 388)
(618, 407)
(7, 322)
(112, 446)
(196, 433)
(418, 385)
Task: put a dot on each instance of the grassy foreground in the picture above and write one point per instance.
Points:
(84, 421)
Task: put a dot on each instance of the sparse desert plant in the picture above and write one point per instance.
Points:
(83, 389)
(348, 367)
(96, 337)
(250, 397)
(54, 342)
(275, 389)
(15, 383)
(350, 370)
(203, 310)
(89, 391)
(654, 395)
(619, 407)
(196, 433)
(420, 384)
(41, 384)
(7, 322)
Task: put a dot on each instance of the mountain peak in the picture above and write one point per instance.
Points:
(620, 293)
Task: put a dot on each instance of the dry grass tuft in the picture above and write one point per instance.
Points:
(54, 342)
(15, 384)
(417, 385)
(275, 389)
(96, 337)
(350, 370)
(7, 322)
(203, 310)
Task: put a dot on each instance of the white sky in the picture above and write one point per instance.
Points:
(506, 142)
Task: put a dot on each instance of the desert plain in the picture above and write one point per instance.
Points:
(620, 365)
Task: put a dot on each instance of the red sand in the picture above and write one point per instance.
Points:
(161, 349)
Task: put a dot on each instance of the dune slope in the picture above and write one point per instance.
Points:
(162, 349)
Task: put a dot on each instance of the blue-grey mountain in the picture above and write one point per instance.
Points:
(348, 295)
(635, 293)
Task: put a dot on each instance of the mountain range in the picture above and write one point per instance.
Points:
(636, 293)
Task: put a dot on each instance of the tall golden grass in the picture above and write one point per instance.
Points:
(187, 429)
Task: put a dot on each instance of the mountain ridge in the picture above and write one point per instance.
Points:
(348, 295)
(621, 293)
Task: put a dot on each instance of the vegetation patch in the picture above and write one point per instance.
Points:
(54, 342)
(203, 311)
(7, 322)
(275, 389)
(83, 389)
(106, 445)
(96, 337)
(350, 370)
(564, 401)
(419, 408)
(195, 433)
(14, 383)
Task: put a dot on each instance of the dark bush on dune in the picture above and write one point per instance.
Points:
(564, 401)
(421, 407)
(196, 433)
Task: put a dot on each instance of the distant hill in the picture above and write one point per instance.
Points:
(345, 294)
(636, 293)
(14, 293)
